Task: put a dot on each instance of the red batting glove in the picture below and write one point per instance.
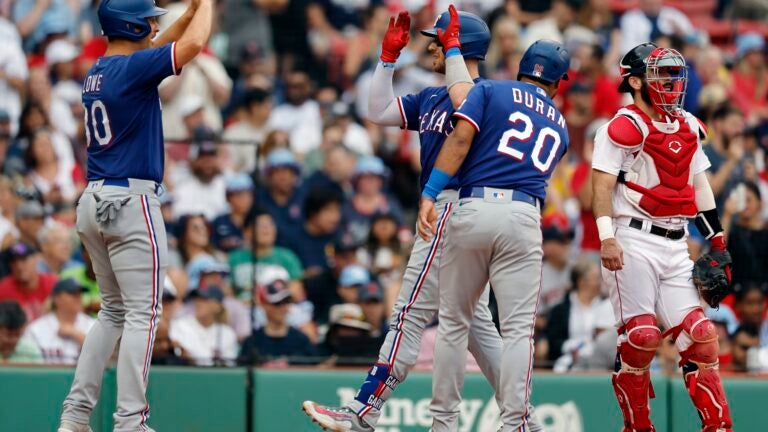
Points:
(450, 37)
(396, 37)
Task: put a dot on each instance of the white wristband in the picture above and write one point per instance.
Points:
(604, 227)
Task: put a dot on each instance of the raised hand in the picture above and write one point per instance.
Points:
(396, 37)
(450, 37)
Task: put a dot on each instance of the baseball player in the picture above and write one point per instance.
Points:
(428, 112)
(507, 140)
(118, 215)
(648, 178)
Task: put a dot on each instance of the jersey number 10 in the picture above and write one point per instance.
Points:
(102, 131)
(524, 134)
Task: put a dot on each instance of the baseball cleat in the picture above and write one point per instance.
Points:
(336, 419)
(67, 426)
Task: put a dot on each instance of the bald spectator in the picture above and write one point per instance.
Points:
(60, 334)
(649, 21)
(25, 284)
(56, 247)
(14, 347)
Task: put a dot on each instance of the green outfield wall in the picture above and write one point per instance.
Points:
(216, 400)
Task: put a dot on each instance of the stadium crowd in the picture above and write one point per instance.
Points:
(290, 215)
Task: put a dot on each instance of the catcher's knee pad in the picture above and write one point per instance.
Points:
(703, 334)
(376, 384)
(643, 338)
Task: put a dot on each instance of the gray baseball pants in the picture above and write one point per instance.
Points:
(130, 255)
(415, 308)
(500, 240)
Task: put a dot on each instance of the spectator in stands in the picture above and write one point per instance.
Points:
(750, 304)
(556, 271)
(52, 177)
(352, 280)
(241, 260)
(504, 53)
(164, 351)
(276, 338)
(370, 297)
(192, 113)
(725, 150)
(61, 56)
(363, 47)
(38, 19)
(281, 194)
(246, 23)
(337, 166)
(744, 339)
(556, 22)
(5, 138)
(349, 339)
(204, 338)
(25, 284)
(8, 231)
(300, 312)
(60, 334)
(369, 180)
(321, 288)
(354, 136)
(86, 277)
(193, 243)
(228, 228)
(14, 347)
(201, 188)
(13, 73)
(747, 233)
(571, 326)
(581, 189)
(384, 250)
(250, 132)
(650, 20)
(750, 76)
(57, 110)
(30, 218)
(55, 243)
(299, 115)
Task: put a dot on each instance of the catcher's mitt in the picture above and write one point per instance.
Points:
(712, 276)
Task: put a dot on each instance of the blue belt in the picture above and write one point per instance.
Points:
(124, 182)
(479, 192)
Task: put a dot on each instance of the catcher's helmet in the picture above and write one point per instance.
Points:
(127, 19)
(634, 63)
(545, 60)
(474, 35)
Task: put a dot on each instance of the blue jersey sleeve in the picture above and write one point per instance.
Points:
(150, 66)
(473, 107)
(410, 107)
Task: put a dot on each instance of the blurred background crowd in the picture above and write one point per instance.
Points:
(290, 215)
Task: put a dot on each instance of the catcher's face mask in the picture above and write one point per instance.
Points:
(667, 77)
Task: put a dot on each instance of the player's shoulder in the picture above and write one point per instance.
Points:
(626, 129)
(696, 124)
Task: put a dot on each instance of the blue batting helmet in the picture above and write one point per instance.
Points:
(127, 19)
(474, 35)
(545, 60)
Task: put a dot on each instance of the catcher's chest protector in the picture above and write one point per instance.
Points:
(660, 179)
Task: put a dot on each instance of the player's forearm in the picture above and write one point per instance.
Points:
(457, 78)
(196, 34)
(602, 191)
(707, 219)
(174, 32)
(383, 106)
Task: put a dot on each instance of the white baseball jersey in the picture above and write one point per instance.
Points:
(44, 331)
(204, 344)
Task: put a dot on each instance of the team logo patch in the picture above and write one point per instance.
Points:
(675, 147)
(538, 70)
(498, 195)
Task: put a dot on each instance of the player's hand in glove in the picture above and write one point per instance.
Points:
(611, 254)
(427, 219)
(449, 38)
(396, 37)
(712, 273)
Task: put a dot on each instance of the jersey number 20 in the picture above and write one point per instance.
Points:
(102, 131)
(524, 134)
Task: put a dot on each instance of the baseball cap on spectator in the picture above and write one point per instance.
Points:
(252, 51)
(556, 227)
(343, 245)
(749, 42)
(275, 293)
(353, 275)
(204, 265)
(20, 250)
(190, 104)
(238, 182)
(371, 292)
(30, 209)
(370, 165)
(256, 96)
(723, 315)
(282, 158)
(203, 143)
(60, 51)
(68, 286)
(211, 292)
(348, 315)
(268, 273)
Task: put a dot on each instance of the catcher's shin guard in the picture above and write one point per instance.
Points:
(631, 380)
(701, 374)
